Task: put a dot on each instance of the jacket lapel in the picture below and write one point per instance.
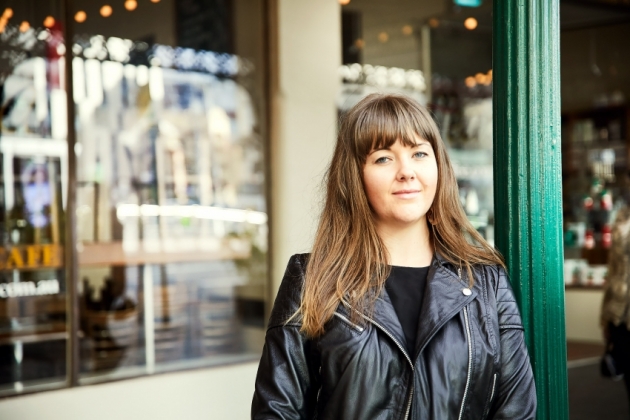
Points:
(444, 298)
(385, 316)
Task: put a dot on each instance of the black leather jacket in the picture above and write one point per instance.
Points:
(470, 361)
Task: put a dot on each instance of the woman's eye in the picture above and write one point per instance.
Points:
(419, 154)
(381, 160)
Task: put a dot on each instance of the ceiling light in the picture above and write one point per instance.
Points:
(344, 2)
(8, 13)
(24, 26)
(434, 23)
(407, 29)
(80, 16)
(470, 82)
(106, 11)
(155, 1)
(383, 37)
(470, 23)
(131, 5)
(49, 22)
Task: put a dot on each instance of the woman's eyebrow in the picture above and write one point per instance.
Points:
(422, 143)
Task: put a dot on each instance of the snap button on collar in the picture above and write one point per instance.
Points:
(466, 291)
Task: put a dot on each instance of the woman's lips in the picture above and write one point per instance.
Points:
(407, 193)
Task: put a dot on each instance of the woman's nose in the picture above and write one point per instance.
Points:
(405, 171)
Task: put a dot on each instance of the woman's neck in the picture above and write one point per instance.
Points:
(408, 246)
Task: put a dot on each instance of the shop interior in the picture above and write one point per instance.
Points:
(450, 44)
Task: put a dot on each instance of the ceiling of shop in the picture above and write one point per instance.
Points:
(579, 14)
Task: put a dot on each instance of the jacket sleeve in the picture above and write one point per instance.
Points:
(287, 381)
(516, 392)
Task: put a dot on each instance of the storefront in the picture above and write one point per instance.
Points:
(201, 131)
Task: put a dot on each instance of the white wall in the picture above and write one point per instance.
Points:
(304, 121)
(582, 309)
(219, 393)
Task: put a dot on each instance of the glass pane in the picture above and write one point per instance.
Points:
(441, 55)
(171, 210)
(33, 166)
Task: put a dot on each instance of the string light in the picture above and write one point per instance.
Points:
(383, 37)
(407, 30)
(8, 13)
(470, 23)
(131, 5)
(106, 11)
(24, 26)
(344, 2)
(470, 82)
(434, 23)
(49, 22)
(155, 1)
(80, 16)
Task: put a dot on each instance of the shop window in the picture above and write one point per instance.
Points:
(171, 211)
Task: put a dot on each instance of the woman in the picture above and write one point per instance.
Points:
(394, 314)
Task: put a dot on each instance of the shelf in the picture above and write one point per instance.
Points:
(583, 287)
(160, 252)
(32, 337)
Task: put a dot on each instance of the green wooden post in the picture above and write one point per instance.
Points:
(528, 183)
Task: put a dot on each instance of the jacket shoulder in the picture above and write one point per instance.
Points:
(494, 277)
(503, 296)
(289, 295)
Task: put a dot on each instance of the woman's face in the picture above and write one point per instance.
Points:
(400, 183)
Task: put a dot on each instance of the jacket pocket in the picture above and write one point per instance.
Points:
(491, 395)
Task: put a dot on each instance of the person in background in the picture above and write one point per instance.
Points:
(615, 313)
(402, 310)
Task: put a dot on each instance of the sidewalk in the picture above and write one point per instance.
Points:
(592, 397)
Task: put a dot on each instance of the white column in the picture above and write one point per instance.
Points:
(306, 53)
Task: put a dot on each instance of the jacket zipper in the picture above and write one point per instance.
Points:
(461, 411)
(347, 321)
(494, 383)
(404, 352)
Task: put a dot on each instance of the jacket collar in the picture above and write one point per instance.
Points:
(443, 299)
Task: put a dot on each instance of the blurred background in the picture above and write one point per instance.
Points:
(159, 169)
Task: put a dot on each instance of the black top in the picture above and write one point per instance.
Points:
(405, 287)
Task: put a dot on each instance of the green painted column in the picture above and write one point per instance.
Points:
(528, 183)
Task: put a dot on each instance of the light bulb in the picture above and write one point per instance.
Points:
(80, 16)
(470, 23)
(106, 11)
(131, 5)
(49, 22)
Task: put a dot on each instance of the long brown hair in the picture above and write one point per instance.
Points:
(349, 261)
